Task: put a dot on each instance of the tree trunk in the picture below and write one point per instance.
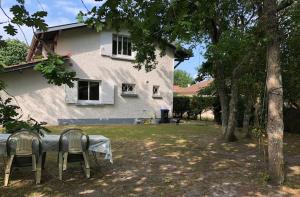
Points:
(223, 97)
(257, 108)
(220, 75)
(229, 133)
(246, 118)
(275, 95)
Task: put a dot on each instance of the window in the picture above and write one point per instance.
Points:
(128, 88)
(121, 45)
(88, 90)
(155, 90)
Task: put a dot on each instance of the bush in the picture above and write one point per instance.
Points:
(217, 111)
(199, 103)
(291, 117)
(12, 52)
(192, 105)
(181, 104)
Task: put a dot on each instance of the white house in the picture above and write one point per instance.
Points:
(109, 90)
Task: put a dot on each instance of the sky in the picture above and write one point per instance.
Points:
(65, 11)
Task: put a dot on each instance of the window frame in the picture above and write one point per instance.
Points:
(88, 101)
(157, 95)
(129, 93)
(115, 40)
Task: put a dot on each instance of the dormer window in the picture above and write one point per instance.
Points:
(121, 45)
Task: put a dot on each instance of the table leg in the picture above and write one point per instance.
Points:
(95, 158)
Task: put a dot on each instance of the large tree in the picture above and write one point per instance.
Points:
(274, 93)
(182, 78)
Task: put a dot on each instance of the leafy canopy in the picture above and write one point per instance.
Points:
(22, 17)
(54, 71)
(12, 52)
(182, 78)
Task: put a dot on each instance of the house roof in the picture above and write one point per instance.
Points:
(21, 66)
(25, 65)
(180, 53)
(193, 89)
(177, 88)
(63, 27)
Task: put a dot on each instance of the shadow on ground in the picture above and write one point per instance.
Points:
(167, 160)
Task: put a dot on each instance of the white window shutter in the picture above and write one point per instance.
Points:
(106, 49)
(107, 94)
(71, 93)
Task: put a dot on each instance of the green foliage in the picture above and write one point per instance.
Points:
(181, 104)
(9, 118)
(234, 48)
(192, 105)
(22, 17)
(182, 78)
(209, 90)
(290, 30)
(160, 23)
(30, 124)
(200, 103)
(205, 71)
(10, 29)
(259, 133)
(53, 69)
(8, 111)
(12, 52)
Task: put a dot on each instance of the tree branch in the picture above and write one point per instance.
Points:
(16, 24)
(284, 4)
(85, 6)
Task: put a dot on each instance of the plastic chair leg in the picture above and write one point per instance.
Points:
(33, 163)
(65, 159)
(38, 173)
(86, 164)
(8, 169)
(60, 165)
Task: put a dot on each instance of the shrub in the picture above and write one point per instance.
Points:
(191, 105)
(181, 104)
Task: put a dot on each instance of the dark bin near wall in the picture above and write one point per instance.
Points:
(164, 118)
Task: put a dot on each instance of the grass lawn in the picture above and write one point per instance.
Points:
(164, 160)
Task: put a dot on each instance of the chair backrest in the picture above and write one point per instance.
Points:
(73, 141)
(24, 142)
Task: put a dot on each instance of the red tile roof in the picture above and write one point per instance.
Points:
(193, 89)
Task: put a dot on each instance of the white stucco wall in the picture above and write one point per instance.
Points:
(46, 102)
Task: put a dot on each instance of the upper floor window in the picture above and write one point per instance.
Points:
(88, 90)
(121, 45)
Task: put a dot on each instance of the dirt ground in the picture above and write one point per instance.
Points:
(165, 160)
